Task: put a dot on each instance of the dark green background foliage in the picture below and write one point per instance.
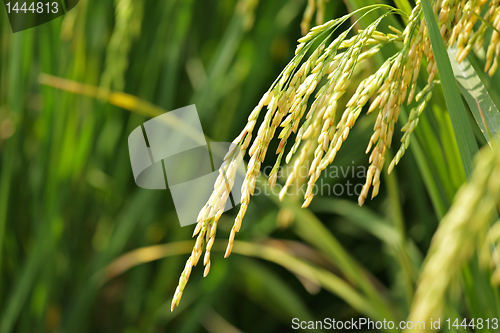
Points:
(69, 205)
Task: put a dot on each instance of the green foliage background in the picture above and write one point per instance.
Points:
(69, 205)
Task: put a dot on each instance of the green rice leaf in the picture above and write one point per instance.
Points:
(480, 103)
(467, 144)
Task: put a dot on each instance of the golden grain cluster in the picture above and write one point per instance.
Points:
(305, 101)
(465, 228)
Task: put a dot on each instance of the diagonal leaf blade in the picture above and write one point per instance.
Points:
(466, 142)
(480, 102)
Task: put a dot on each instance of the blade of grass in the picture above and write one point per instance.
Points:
(327, 280)
(405, 252)
(5, 181)
(466, 142)
(463, 132)
(367, 220)
(126, 223)
(120, 99)
(309, 228)
(430, 132)
(19, 292)
(224, 56)
(490, 83)
(363, 218)
(213, 322)
(409, 271)
(183, 22)
(480, 103)
(274, 291)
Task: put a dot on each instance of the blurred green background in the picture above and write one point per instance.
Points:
(69, 206)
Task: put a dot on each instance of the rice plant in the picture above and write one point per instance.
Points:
(83, 248)
(326, 71)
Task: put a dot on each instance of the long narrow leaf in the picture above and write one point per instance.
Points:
(309, 228)
(480, 103)
(458, 114)
(326, 279)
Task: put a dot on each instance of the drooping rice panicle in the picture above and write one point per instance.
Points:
(459, 233)
(423, 98)
(305, 101)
